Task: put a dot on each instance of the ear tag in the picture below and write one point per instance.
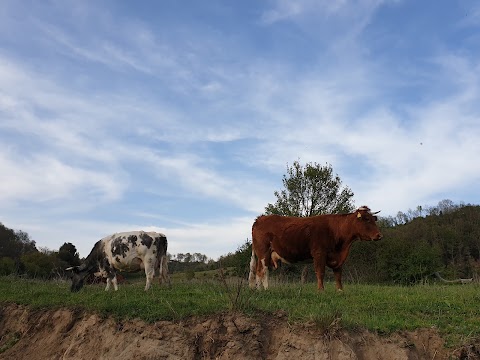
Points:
(359, 215)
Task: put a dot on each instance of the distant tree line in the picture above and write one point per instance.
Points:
(189, 263)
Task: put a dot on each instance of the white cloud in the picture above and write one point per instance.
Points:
(40, 178)
(110, 106)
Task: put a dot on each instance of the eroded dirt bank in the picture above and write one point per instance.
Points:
(66, 334)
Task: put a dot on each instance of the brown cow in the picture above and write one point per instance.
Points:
(324, 238)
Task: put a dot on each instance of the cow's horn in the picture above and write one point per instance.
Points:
(70, 268)
(376, 212)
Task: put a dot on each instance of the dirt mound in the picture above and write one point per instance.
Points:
(68, 334)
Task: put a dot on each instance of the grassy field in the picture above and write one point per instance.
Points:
(452, 309)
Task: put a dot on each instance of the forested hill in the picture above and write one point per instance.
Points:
(446, 239)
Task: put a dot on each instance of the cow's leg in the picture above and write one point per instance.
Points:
(115, 283)
(111, 280)
(253, 270)
(159, 271)
(109, 283)
(275, 258)
(338, 278)
(260, 274)
(149, 271)
(319, 264)
(264, 274)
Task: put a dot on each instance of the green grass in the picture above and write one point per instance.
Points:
(452, 309)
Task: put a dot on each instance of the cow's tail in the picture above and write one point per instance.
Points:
(162, 261)
(253, 269)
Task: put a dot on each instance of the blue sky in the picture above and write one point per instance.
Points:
(181, 116)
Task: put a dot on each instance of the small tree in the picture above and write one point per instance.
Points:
(311, 190)
(14, 244)
(69, 254)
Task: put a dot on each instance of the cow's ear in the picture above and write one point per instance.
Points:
(359, 215)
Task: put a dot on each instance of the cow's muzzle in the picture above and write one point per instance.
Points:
(378, 237)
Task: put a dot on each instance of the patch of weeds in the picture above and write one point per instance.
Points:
(10, 341)
(329, 324)
(238, 294)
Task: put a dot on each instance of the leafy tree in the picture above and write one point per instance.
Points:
(180, 257)
(187, 258)
(25, 243)
(198, 257)
(8, 241)
(69, 254)
(311, 190)
(13, 245)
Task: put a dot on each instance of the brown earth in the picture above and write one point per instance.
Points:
(69, 334)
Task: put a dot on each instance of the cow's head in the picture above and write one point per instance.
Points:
(366, 224)
(78, 275)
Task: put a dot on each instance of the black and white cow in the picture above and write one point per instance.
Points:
(127, 251)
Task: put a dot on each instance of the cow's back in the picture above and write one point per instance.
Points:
(280, 234)
(131, 251)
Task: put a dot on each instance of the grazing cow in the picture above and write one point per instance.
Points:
(324, 238)
(126, 251)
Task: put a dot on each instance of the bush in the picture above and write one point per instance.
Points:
(7, 266)
(190, 275)
(409, 264)
(40, 265)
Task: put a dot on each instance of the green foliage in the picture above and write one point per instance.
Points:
(311, 190)
(42, 265)
(404, 264)
(239, 260)
(7, 266)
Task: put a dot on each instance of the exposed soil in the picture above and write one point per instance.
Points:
(68, 334)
